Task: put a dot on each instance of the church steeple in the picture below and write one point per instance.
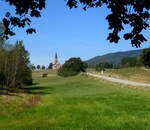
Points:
(56, 56)
(56, 64)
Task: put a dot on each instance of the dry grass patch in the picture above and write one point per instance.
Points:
(32, 101)
(115, 84)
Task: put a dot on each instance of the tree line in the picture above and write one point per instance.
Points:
(41, 67)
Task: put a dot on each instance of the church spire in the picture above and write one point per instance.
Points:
(56, 55)
(56, 64)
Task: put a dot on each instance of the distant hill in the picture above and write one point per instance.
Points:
(114, 58)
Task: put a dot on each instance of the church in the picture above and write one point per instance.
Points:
(56, 64)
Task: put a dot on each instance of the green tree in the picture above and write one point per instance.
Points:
(33, 67)
(50, 66)
(2, 30)
(43, 67)
(72, 67)
(131, 62)
(100, 67)
(38, 67)
(20, 62)
(145, 57)
(104, 65)
(14, 65)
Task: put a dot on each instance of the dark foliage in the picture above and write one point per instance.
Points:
(116, 66)
(43, 67)
(44, 75)
(104, 65)
(26, 77)
(33, 67)
(38, 67)
(2, 29)
(2, 79)
(50, 66)
(133, 13)
(145, 57)
(131, 62)
(72, 67)
(24, 11)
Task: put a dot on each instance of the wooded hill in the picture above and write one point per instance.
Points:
(114, 58)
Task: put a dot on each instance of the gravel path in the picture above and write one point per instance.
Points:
(118, 80)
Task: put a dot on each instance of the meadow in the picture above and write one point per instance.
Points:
(75, 103)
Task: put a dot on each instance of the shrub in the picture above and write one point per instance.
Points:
(44, 75)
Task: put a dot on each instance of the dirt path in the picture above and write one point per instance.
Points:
(118, 80)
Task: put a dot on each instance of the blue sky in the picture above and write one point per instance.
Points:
(70, 33)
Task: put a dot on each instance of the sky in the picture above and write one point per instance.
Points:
(70, 33)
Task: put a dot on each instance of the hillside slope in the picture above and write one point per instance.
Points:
(114, 58)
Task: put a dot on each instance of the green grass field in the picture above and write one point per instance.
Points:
(75, 103)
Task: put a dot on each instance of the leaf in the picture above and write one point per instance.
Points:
(30, 31)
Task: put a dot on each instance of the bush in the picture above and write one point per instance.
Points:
(44, 75)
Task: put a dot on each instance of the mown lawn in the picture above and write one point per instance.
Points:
(75, 103)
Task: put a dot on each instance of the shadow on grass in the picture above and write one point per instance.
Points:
(37, 90)
(7, 92)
